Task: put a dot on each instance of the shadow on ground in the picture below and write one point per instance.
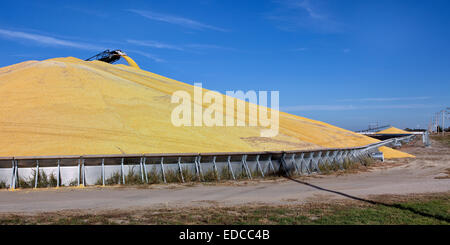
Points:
(398, 206)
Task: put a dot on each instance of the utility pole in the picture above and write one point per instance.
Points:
(437, 122)
(434, 123)
(443, 123)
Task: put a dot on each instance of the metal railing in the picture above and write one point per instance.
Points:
(236, 163)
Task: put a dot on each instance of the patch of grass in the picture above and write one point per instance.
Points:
(419, 213)
(431, 209)
(442, 139)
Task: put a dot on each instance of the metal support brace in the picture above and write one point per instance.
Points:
(271, 164)
(345, 155)
(12, 185)
(84, 172)
(199, 161)
(58, 177)
(284, 164)
(301, 162)
(145, 170)
(36, 176)
(215, 168)
(352, 155)
(294, 163)
(316, 161)
(197, 169)
(79, 171)
(230, 168)
(348, 155)
(162, 170)
(326, 158)
(244, 164)
(122, 171)
(357, 154)
(333, 160)
(17, 174)
(311, 162)
(338, 159)
(330, 157)
(103, 171)
(259, 165)
(142, 169)
(308, 163)
(181, 170)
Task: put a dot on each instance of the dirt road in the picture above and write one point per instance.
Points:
(429, 172)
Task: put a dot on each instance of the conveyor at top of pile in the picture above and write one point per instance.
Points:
(110, 57)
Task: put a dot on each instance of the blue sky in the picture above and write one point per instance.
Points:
(348, 63)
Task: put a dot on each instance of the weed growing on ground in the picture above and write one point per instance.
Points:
(225, 173)
(134, 177)
(43, 180)
(2, 184)
(367, 161)
(73, 182)
(188, 175)
(154, 177)
(242, 174)
(209, 176)
(173, 176)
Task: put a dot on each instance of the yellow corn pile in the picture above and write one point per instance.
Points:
(390, 153)
(66, 106)
(393, 130)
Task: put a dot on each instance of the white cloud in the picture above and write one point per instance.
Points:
(290, 15)
(308, 8)
(176, 20)
(207, 46)
(187, 47)
(147, 55)
(386, 99)
(353, 107)
(300, 49)
(154, 44)
(46, 40)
